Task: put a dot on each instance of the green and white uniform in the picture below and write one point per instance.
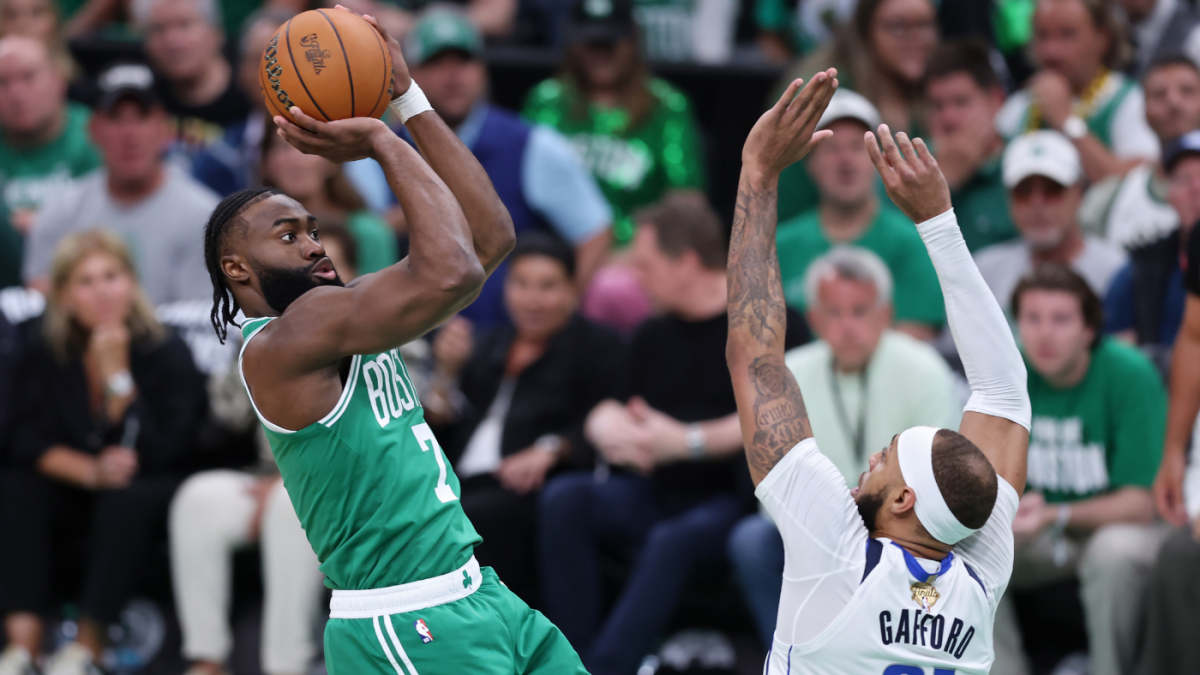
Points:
(379, 503)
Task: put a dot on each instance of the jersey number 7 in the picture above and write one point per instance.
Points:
(425, 437)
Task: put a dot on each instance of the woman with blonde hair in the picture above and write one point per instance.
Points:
(107, 407)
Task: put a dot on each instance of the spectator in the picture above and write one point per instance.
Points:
(321, 187)
(787, 29)
(671, 485)
(635, 132)
(44, 144)
(106, 412)
(1161, 28)
(1042, 173)
(851, 213)
(1171, 646)
(963, 95)
(217, 512)
(526, 390)
(159, 210)
(536, 172)
(1099, 413)
(1131, 211)
(680, 31)
(1080, 46)
(494, 19)
(1142, 212)
(183, 44)
(882, 53)
(40, 20)
(232, 162)
(858, 364)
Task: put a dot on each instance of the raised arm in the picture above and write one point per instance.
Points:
(997, 416)
(400, 302)
(491, 226)
(770, 407)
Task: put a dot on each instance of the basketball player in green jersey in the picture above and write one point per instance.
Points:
(373, 490)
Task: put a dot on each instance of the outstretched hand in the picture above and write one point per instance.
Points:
(785, 134)
(401, 77)
(910, 174)
(338, 141)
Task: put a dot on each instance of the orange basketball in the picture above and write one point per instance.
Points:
(330, 63)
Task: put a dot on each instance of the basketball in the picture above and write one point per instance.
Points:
(330, 63)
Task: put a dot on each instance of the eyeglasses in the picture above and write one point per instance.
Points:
(1050, 190)
(903, 29)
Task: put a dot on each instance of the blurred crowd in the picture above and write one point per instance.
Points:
(583, 399)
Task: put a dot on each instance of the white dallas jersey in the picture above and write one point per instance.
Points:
(847, 605)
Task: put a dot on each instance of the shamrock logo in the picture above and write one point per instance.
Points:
(467, 580)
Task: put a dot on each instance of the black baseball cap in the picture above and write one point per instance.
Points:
(126, 81)
(600, 21)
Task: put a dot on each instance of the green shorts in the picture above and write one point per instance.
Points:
(489, 632)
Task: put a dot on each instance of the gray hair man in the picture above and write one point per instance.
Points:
(183, 42)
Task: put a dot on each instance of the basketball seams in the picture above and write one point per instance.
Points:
(296, 71)
(272, 103)
(345, 59)
(386, 76)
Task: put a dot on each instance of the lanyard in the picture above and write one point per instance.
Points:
(858, 433)
(915, 569)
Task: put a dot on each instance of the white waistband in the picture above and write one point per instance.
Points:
(412, 597)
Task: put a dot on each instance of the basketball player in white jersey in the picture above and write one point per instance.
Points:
(901, 575)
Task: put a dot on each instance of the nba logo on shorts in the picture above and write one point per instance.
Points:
(423, 631)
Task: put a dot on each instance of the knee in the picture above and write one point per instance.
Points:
(202, 504)
(564, 499)
(1180, 552)
(1114, 549)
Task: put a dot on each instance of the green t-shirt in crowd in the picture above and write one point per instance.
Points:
(31, 176)
(981, 205)
(916, 295)
(1104, 433)
(634, 165)
(374, 241)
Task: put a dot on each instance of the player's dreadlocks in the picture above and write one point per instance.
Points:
(223, 219)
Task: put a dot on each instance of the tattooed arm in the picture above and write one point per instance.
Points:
(769, 403)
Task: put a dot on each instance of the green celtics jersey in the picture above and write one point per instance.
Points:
(635, 164)
(1101, 434)
(369, 482)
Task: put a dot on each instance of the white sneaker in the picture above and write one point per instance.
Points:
(71, 659)
(16, 661)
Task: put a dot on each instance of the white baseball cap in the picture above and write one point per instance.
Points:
(1041, 153)
(847, 104)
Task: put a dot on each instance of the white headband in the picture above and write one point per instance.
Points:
(915, 451)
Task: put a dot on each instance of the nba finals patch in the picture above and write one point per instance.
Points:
(423, 631)
(924, 594)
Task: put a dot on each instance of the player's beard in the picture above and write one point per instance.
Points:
(869, 506)
(281, 286)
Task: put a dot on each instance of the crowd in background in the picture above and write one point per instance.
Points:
(583, 399)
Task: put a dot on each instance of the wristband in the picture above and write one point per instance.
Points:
(410, 103)
(1062, 518)
(696, 441)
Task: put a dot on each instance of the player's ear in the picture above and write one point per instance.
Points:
(236, 268)
(904, 500)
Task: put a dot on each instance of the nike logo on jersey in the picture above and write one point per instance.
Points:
(917, 628)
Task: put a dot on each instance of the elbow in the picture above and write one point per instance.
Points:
(505, 241)
(464, 279)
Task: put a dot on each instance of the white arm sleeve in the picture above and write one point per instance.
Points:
(824, 540)
(990, 550)
(989, 354)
